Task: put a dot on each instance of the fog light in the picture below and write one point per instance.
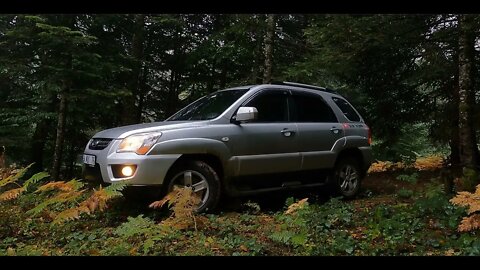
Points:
(127, 171)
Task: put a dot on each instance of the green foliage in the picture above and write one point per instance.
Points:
(414, 141)
(114, 190)
(412, 178)
(434, 190)
(35, 179)
(252, 207)
(12, 178)
(143, 233)
(315, 230)
(470, 179)
(405, 193)
(137, 226)
(293, 229)
(363, 227)
(118, 65)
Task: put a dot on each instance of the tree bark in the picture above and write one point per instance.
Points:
(269, 36)
(141, 94)
(57, 156)
(62, 109)
(172, 94)
(38, 145)
(130, 109)
(223, 75)
(454, 131)
(468, 143)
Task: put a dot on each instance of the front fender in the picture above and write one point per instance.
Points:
(193, 146)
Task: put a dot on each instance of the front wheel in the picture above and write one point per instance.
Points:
(202, 179)
(346, 178)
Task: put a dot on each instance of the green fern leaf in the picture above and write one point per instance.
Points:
(75, 184)
(35, 179)
(114, 189)
(15, 177)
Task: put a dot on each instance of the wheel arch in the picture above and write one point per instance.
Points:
(211, 159)
(354, 153)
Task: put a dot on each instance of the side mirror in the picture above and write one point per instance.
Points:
(246, 114)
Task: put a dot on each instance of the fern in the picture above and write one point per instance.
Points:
(135, 226)
(114, 190)
(59, 198)
(469, 223)
(145, 229)
(183, 202)
(61, 185)
(35, 179)
(97, 201)
(294, 207)
(14, 177)
(15, 193)
(428, 163)
(421, 163)
(11, 194)
(68, 215)
(61, 194)
(472, 202)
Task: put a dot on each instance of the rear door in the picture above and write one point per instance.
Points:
(318, 129)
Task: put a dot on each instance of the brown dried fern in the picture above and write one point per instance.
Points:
(472, 202)
(183, 202)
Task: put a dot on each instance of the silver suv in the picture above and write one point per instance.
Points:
(241, 141)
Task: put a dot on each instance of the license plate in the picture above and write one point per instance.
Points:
(89, 160)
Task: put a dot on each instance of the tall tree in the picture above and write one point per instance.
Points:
(269, 37)
(131, 112)
(53, 59)
(466, 61)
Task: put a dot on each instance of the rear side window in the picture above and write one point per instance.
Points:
(311, 108)
(347, 109)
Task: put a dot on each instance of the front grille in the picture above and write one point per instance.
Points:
(99, 143)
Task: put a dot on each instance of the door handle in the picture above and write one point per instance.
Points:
(287, 132)
(335, 130)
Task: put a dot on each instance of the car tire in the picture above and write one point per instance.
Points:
(346, 178)
(196, 173)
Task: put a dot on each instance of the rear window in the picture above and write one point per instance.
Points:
(347, 109)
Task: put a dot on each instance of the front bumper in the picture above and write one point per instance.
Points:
(151, 169)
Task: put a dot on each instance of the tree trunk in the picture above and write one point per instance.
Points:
(454, 131)
(269, 35)
(57, 156)
(223, 75)
(141, 94)
(468, 143)
(130, 108)
(70, 162)
(38, 145)
(258, 53)
(172, 95)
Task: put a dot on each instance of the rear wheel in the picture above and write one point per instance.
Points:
(346, 178)
(202, 179)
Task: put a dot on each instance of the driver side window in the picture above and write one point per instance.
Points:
(272, 106)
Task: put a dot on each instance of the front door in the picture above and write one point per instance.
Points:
(270, 143)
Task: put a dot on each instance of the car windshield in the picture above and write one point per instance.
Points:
(208, 107)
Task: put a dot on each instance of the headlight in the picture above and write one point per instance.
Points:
(139, 143)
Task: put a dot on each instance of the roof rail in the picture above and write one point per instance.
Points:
(306, 86)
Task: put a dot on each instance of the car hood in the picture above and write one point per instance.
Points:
(124, 131)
